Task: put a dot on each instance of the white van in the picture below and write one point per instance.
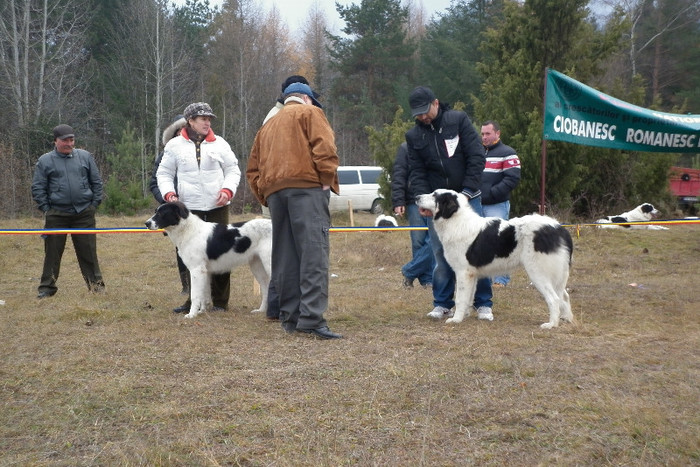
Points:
(359, 184)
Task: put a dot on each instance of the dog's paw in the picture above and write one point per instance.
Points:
(191, 315)
(257, 310)
(547, 325)
(453, 321)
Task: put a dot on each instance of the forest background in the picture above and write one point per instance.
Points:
(119, 71)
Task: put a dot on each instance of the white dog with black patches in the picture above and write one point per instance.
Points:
(645, 212)
(476, 247)
(207, 248)
(385, 221)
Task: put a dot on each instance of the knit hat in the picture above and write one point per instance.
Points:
(297, 79)
(301, 88)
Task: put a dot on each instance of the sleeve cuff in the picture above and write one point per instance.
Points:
(471, 194)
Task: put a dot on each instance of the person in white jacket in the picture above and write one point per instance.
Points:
(207, 178)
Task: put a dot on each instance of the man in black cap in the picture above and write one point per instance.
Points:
(67, 188)
(445, 151)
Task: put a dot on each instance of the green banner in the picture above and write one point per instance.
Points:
(579, 114)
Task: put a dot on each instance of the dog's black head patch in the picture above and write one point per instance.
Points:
(169, 215)
(447, 204)
(647, 208)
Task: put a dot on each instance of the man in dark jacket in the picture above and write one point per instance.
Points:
(169, 133)
(445, 151)
(67, 188)
(501, 176)
(403, 201)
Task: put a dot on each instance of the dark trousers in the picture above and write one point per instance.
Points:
(220, 283)
(300, 255)
(85, 246)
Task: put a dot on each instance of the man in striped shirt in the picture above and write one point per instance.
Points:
(501, 175)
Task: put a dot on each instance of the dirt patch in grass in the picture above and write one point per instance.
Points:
(117, 378)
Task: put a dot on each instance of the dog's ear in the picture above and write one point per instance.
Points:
(447, 205)
(182, 210)
(647, 208)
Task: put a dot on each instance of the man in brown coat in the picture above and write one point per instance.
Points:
(292, 169)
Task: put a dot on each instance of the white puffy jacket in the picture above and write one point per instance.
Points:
(198, 185)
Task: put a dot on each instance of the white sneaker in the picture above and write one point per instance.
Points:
(484, 312)
(439, 312)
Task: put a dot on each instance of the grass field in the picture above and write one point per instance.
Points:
(118, 379)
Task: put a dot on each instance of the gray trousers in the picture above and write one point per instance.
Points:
(300, 255)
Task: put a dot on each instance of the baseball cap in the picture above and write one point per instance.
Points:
(302, 88)
(420, 100)
(63, 131)
(198, 109)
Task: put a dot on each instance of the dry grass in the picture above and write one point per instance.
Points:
(117, 379)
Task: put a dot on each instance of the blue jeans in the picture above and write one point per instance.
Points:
(501, 210)
(421, 265)
(444, 276)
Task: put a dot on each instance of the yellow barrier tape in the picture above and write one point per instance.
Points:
(332, 229)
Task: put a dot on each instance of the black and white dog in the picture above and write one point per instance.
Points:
(207, 248)
(642, 213)
(478, 247)
(385, 221)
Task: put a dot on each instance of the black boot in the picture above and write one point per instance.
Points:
(185, 280)
(184, 308)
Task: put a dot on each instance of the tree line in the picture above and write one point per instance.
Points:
(119, 71)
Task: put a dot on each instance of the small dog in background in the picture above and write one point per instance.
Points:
(642, 213)
(385, 221)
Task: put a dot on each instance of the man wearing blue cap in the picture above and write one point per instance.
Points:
(291, 169)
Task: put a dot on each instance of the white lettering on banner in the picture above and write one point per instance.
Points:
(659, 139)
(678, 118)
(584, 129)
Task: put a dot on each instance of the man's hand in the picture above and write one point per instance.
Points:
(400, 210)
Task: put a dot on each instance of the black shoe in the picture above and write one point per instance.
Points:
(321, 333)
(45, 295)
(407, 283)
(185, 308)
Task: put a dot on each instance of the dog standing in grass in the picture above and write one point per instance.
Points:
(207, 248)
(478, 247)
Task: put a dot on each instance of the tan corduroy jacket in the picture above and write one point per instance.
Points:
(294, 149)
